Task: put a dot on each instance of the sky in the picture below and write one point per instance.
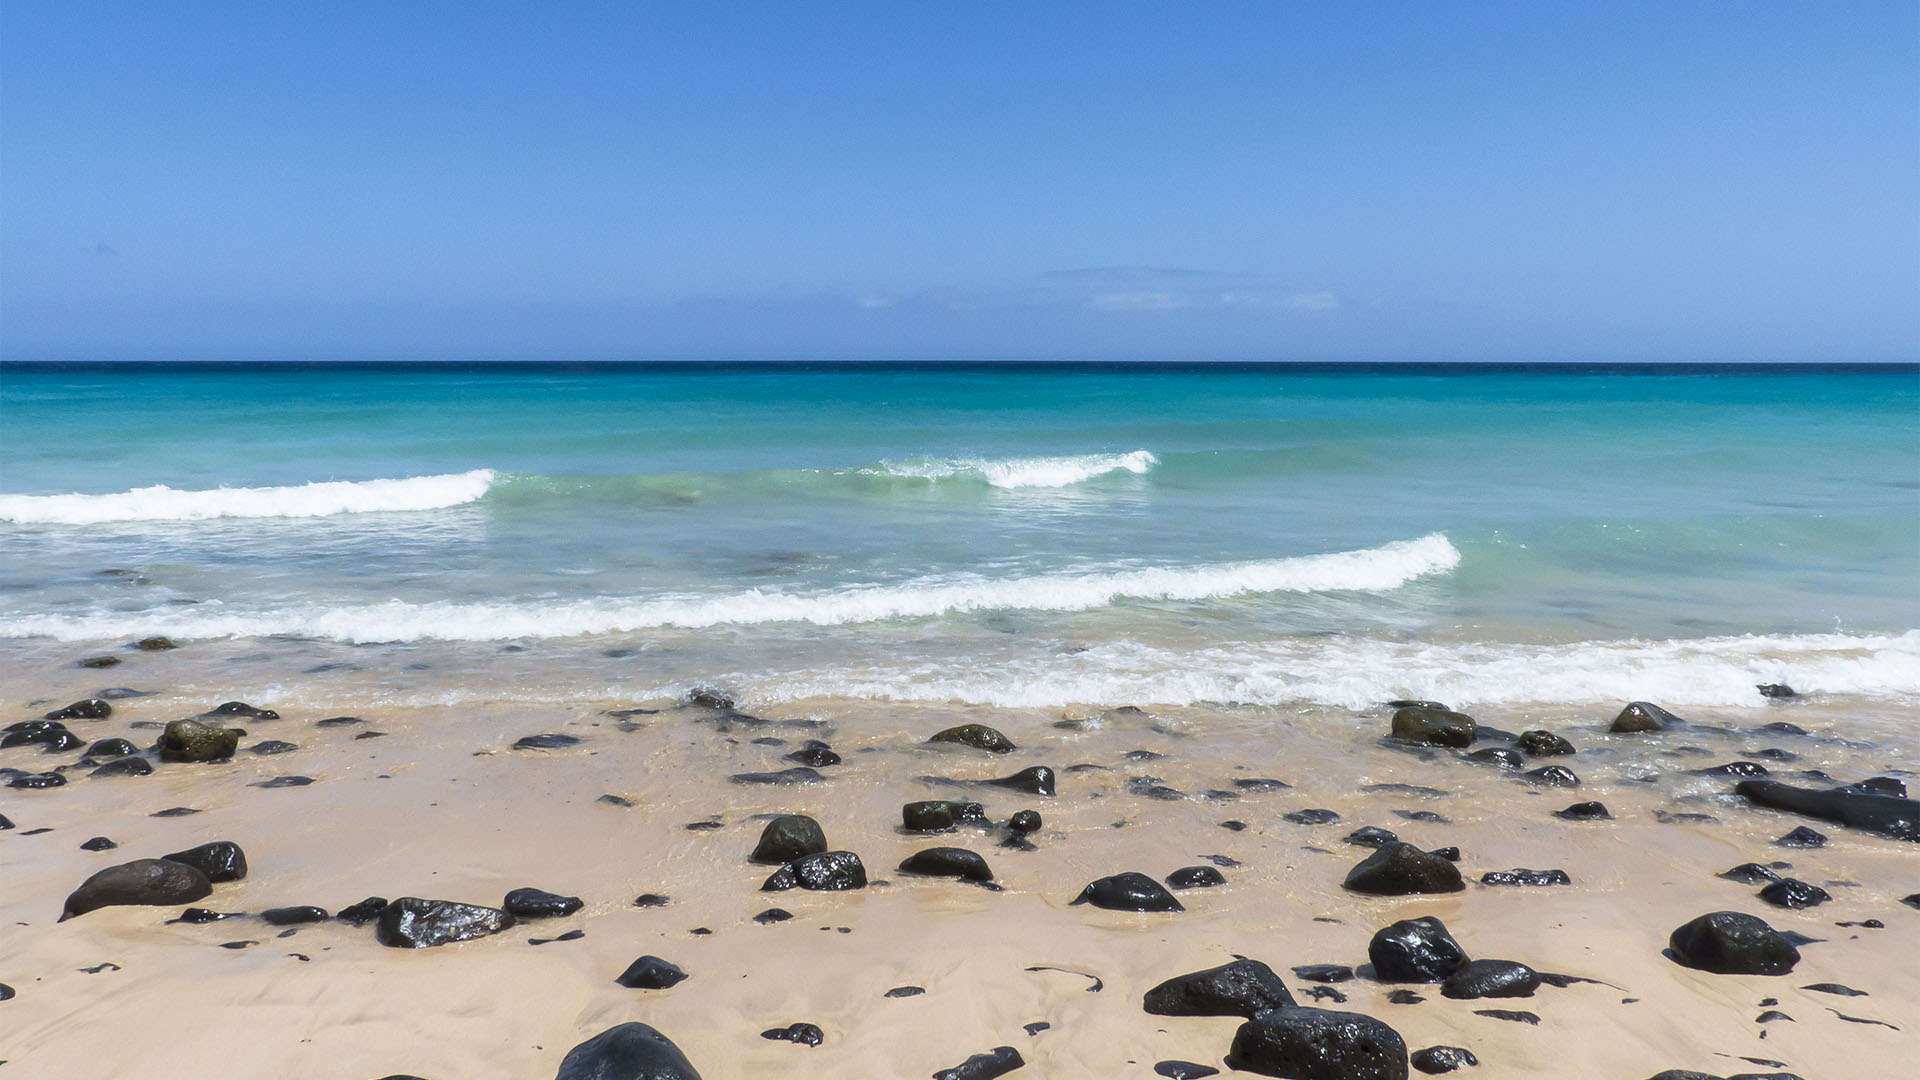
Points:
(1236, 180)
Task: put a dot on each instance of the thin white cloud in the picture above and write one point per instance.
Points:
(1321, 300)
(1139, 301)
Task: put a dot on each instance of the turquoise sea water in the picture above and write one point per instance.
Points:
(1014, 534)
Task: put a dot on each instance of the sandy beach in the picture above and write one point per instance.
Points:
(441, 806)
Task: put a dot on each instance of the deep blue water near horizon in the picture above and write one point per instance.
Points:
(1027, 533)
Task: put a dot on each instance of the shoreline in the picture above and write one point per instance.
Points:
(442, 807)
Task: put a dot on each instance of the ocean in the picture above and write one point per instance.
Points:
(1325, 536)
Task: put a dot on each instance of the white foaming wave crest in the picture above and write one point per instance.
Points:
(1369, 570)
(319, 499)
(1357, 673)
(1045, 472)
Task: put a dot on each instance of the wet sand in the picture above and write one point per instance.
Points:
(441, 807)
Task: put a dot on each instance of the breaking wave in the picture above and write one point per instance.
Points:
(321, 499)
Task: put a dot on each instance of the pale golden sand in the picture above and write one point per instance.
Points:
(441, 808)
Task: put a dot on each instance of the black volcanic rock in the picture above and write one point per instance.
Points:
(1794, 893)
(803, 1033)
(814, 754)
(1732, 943)
(651, 973)
(539, 904)
(1539, 743)
(363, 912)
(413, 923)
(787, 838)
(1371, 836)
(111, 748)
(1499, 757)
(822, 871)
(85, 709)
(978, 736)
(98, 843)
(1024, 821)
(1523, 876)
(948, 862)
(1584, 811)
(126, 766)
(1552, 776)
(1490, 979)
(221, 860)
(1038, 780)
(1196, 877)
(1802, 837)
(1641, 716)
(1401, 869)
(798, 776)
(549, 740)
(1750, 874)
(998, 1061)
(1443, 1059)
(37, 781)
(1131, 891)
(1887, 815)
(142, 882)
(290, 916)
(241, 708)
(1318, 1044)
(1313, 816)
(1243, 988)
(631, 1051)
(1415, 950)
(191, 740)
(1435, 727)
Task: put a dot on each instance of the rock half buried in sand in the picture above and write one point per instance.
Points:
(651, 973)
(1733, 943)
(1243, 988)
(1443, 1059)
(1641, 716)
(798, 776)
(822, 871)
(1490, 979)
(92, 708)
(1415, 950)
(1435, 727)
(1038, 780)
(1319, 1044)
(1131, 891)
(548, 740)
(939, 815)
(978, 736)
(413, 923)
(948, 862)
(1794, 893)
(1196, 877)
(787, 838)
(142, 881)
(191, 740)
(539, 904)
(1523, 876)
(1400, 869)
(998, 1061)
(631, 1051)
(1888, 815)
(221, 860)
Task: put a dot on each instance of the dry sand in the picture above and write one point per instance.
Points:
(440, 807)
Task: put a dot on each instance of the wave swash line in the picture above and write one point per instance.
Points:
(319, 499)
(1043, 472)
(1368, 570)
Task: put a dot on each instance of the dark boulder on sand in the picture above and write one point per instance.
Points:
(939, 815)
(143, 882)
(1435, 727)
(799, 776)
(221, 860)
(1887, 815)
(111, 748)
(1543, 744)
(539, 904)
(1243, 988)
(1490, 979)
(126, 766)
(1443, 1059)
(1641, 716)
(1794, 893)
(1024, 821)
(1196, 877)
(1551, 776)
(998, 1061)
(651, 973)
(631, 1051)
(814, 754)
(1584, 811)
(787, 838)
(1524, 876)
(1415, 950)
(1732, 943)
(1038, 780)
(92, 708)
(191, 740)
(1318, 1044)
(291, 916)
(363, 912)
(413, 923)
(241, 708)
(822, 871)
(36, 781)
(1499, 757)
(1802, 837)
(948, 862)
(978, 736)
(1131, 891)
(1398, 868)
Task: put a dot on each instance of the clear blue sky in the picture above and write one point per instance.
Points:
(1246, 180)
